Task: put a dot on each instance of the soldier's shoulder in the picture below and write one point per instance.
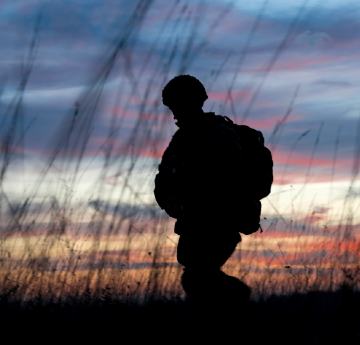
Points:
(175, 143)
(221, 125)
(176, 138)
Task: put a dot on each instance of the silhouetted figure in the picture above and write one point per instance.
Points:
(202, 183)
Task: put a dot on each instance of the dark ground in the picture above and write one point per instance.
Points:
(313, 318)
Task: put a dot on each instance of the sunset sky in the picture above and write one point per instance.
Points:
(287, 68)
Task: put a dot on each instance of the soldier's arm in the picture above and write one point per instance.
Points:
(167, 182)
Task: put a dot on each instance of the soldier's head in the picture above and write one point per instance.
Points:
(185, 96)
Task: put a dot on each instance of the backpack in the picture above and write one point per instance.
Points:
(258, 173)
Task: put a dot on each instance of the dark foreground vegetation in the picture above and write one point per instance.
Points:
(312, 318)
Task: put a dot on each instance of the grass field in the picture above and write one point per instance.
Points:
(312, 318)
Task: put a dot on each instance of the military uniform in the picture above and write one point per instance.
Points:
(195, 185)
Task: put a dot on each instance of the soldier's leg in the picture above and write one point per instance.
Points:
(202, 258)
(206, 252)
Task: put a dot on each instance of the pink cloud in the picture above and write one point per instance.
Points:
(131, 114)
(302, 62)
(237, 95)
(269, 122)
(303, 160)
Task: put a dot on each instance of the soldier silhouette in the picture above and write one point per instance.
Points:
(197, 184)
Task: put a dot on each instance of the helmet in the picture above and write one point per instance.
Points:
(184, 88)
